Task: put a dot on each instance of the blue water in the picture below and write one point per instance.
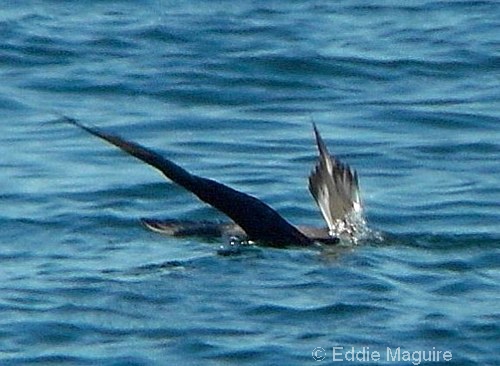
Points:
(406, 94)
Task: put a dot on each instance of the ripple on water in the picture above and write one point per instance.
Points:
(405, 93)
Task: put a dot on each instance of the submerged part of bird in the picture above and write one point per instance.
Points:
(333, 184)
(233, 245)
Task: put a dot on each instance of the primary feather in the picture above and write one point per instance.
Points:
(334, 186)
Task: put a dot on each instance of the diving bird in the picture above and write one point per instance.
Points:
(333, 185)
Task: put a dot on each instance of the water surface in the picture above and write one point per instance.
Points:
(406, 94)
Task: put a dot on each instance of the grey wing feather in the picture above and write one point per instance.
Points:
(334, 186)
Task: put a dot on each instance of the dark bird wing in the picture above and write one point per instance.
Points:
(256, 218)
(334, 186)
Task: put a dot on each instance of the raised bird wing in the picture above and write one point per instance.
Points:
(256, 218)
(335, 188)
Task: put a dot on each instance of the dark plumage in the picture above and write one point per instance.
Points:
(333, 185)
